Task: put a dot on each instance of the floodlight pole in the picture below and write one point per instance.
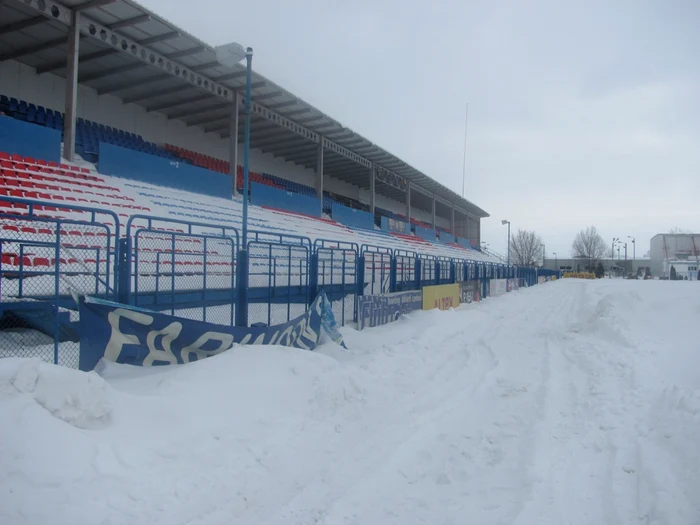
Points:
(243, 256)
(508, 223)
(246, 142)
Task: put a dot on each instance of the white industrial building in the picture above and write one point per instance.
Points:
(680, 250)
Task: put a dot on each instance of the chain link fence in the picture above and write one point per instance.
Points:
(48, 257)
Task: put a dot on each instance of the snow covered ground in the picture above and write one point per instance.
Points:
(575, 402)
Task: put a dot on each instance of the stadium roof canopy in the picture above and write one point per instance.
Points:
(132, 53)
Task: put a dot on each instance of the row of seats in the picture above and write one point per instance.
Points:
(88, 134)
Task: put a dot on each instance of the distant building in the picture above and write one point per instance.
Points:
(680, 250)
(618, 267)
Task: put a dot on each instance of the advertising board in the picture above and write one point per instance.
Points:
(498, 287)
(470, 291)
(442, 297)
(375, 310)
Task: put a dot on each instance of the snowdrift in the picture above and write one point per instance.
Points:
(572, 402)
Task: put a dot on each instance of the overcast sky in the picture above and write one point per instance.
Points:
(580, 112)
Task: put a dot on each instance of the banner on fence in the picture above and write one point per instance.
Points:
(498, 287)
(513, 284)
(443, 296)
(375, 310)
(135, 336)
(470, 291)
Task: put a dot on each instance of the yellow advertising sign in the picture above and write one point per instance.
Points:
(443, 296)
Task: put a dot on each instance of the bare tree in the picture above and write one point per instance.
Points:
(525, 248)
(589, 245)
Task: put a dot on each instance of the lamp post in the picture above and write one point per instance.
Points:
(556, 261)
(634, 247)
(508, 223)
(544, 255)
(230, 55)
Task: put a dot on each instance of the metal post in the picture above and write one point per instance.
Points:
(233, 143)
(71, 88)
(452, 220)
(408, 205)
(242, 304)
(372, 187)
(246, 143)
(434, 225)
(508, 243)
(319, 173)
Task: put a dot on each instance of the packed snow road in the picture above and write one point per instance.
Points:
(575, 402)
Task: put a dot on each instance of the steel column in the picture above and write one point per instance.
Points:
(319, 173)
(434, 225)
(72, 60)
(408, 204)
(372, 175)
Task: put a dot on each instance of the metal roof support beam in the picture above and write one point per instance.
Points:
(196, 111)
(152, 94)
(129, 22)
(337, 148)
(255, 129)
(126, 85)
(372, 188)
(284, 104)
(319, 173)
(408, 205)
(297, 150)
(277, 144)
(265, 96)
(22, 24)
(51, 44)
(71, 87)
(186, 52)
(233, 143)
(206, 65)
(91, 4)
(301, 111)
(167, 105)
(269, 132)
(159, 38)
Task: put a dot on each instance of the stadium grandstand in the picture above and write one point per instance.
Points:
(120, 177)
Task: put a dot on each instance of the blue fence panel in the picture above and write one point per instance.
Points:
(29, 140)
(352, 217)
(263, 195)
(185, 268)
(45, 261)
(337, 274)
(134, 165)
(278, 281)
(377, 264)
(406, 264)
(428, 276)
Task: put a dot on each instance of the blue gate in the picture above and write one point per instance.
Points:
(377, 269)
(278, 277)
(185, 268)
(336, 273)
(406, 267)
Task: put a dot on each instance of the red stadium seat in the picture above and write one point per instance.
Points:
(41, 262)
